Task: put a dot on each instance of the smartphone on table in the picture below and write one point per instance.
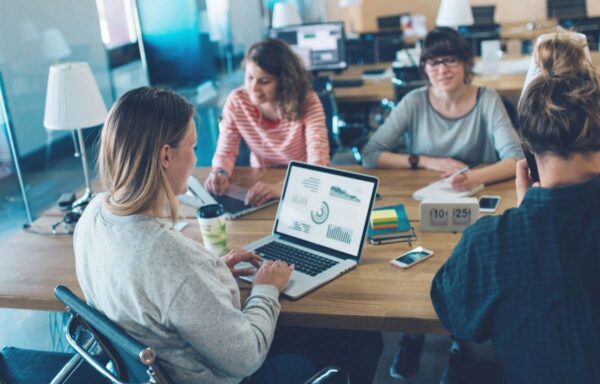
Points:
(410, 258)
(489, 204)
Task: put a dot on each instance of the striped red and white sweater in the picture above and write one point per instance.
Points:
(272, 144)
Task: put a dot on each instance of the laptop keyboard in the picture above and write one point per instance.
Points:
(305, 262)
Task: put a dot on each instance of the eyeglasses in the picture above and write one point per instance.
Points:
(448, 61)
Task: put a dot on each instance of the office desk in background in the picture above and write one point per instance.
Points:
(375, 296)
(374, 90)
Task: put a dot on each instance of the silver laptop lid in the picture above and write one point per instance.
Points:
(326, 208)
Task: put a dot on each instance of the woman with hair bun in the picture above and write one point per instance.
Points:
(532, 286)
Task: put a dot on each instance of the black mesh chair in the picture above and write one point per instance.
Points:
(30, 366)
(343, 134)
(120, 358)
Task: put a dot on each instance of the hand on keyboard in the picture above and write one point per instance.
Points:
(235, 256)
(275, 273)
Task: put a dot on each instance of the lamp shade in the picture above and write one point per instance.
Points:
(73, 100)
(285, 14)
(453, 13)
(54, 45)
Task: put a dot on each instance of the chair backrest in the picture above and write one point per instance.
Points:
(511, 110)
(323, 87)
(132, 362)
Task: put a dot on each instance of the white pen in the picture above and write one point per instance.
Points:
(458, 172)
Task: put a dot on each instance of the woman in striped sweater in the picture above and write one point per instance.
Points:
(276, 113)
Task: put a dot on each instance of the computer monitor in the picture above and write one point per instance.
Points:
(562, 9)
(483, 14)
(321, 46)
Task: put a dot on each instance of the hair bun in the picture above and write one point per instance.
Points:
(561, 56)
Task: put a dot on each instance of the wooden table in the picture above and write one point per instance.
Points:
(374, 296)
(374, 90)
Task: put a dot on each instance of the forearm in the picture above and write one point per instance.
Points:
(392, 160)
(499, 171)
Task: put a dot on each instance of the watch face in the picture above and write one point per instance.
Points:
(461, 216)
(438, 217)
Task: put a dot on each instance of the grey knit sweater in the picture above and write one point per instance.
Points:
(173, 295)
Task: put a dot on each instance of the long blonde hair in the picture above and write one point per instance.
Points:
(138, 125)
(560, 110)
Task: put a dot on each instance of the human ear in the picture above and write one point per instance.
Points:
(165, 156)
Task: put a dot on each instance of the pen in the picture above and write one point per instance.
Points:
(458, 172)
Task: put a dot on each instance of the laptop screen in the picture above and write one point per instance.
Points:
(326, 207)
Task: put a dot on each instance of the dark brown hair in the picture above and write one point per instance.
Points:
(293, 84)
(138, 125)
(560, 109)
(444, 41)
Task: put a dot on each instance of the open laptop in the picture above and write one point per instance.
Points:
(320, 226)
(232, 200)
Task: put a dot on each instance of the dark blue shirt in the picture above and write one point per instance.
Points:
(529, 280)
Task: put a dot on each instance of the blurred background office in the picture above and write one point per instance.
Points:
(195, 47)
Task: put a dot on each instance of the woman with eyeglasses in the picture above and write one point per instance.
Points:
(449, 124)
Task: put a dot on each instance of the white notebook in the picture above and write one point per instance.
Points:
(442, 189)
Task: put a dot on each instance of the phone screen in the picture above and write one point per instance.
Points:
(488, 202)
(412, 257)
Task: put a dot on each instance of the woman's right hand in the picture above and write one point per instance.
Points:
(446, 165)
(275, 273)
(217, 183)
(523, 180)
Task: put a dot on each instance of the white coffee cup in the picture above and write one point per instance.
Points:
(211, 219)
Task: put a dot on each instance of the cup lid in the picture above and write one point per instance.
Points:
(211, 210)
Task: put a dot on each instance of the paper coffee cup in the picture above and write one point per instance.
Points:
(211, 219)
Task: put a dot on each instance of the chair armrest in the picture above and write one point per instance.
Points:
(329, 374)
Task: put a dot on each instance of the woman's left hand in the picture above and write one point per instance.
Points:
(465, 181)
(236, 256)
(261, 193)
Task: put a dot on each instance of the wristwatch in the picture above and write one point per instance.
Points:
(413, 161)
(220, 171)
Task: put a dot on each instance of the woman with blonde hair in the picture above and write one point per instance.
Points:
(276, 113)
(163, 288)
(532, 286)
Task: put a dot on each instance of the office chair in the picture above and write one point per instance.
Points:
(511, 110)
(323, 87)
(25, 366)
(129, 360)
(342, 135)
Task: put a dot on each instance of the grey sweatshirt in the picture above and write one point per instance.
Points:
(171, 294)
(483, 135)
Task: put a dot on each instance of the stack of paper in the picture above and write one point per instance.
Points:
(402, 231)
(383, 219)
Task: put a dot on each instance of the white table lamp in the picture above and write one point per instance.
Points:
(73, 102)
(285, 14)
(453, 13)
